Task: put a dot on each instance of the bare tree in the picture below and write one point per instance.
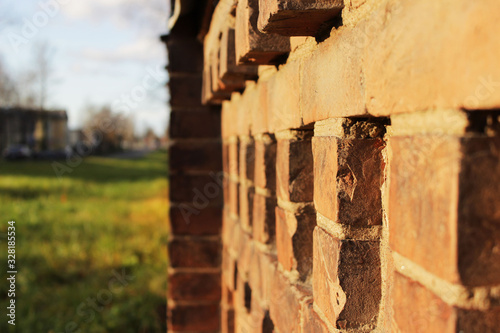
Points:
(43, 71)
(111, 130)
(8, 92)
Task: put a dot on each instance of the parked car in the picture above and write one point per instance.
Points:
(54, 154)
(17, 152)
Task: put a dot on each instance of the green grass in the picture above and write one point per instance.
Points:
(74, 234)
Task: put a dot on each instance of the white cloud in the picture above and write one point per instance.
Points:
(142, 49)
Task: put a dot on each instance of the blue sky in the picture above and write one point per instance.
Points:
(104, 52)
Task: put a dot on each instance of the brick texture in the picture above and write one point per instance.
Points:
(334, 166)
(452, 209)
(294, 169)
(355, 169)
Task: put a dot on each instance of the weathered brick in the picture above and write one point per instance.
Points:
(245, 107)
(227, 320)
(259, 107)
(294, 240)
(199, 190)
(283, 98)
(189, 220)
(330, 76)
(264, 218)
(194, 252)
(228, 68)
(234, 197)
(478, 321)
(246, 202)
(310, 320)
(294, 169)
(417, 310)
(268, 266)
(265, 162)
(199, 155)
(478, 211)
(247, 159)
(443, 197)
(227, 296)
(234, 147)
(228, 271)
(194, 286)
(252, 46)
(185, 90)
(177, 50)
(285, 307)
(436, 52)
(203, 123)
(296, 18)
(225, 158)
(348, 175)
(208, 94)
(200, 318)
(346, 280)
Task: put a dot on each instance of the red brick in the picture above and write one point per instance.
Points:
(265, 163)
(283, 98)
(235, 242)
(225, 158)
(199, 190)
(294, 240)
(246, 254)
(194, 287)
(478, 211)
(247, 159)
(199, 155)
(417, 310)
(227, 297)
(296, 18)
(246, 202)
(479, 321)
(227, 320)
(185, 90)
(234, 197)
(443, 198)
(264, 218)
(310, 320)
(177, 50)
(252, 46)
(228, 271)
(436, 52)
(229, 69)
(234, 147)
(268, 266)
(189, 220)
(201, 318)
(194, 252)
(208, 94)
(346, 280)
(331, 76)
(348, 175)
(294, 170)
(204, 123)
(285, 307)
(259, 108)
(245, 106)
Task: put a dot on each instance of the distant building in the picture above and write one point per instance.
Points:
(39, 130)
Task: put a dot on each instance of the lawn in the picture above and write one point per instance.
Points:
(90, 245)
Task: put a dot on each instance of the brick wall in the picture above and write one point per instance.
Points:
(359, 145)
